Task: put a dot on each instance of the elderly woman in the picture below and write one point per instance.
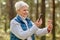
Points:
(22, 28)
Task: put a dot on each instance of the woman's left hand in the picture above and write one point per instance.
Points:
(50, 26)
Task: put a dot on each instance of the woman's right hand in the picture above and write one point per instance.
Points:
(38, 22)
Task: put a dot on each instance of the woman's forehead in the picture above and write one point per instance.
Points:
(24, 7)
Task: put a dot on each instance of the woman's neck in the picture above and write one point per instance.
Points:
(22, 16)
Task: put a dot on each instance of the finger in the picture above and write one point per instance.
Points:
(50, 21)
(50, 26)
(39, 19)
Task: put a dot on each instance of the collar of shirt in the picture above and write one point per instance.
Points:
(23, 19)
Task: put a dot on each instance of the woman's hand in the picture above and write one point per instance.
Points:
(38, 22)
(49, 24)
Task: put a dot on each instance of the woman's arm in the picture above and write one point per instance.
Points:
(17, 30)
(41, 32)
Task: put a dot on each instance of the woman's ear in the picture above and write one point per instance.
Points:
(17, 11)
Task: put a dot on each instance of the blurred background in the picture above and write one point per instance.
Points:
(49, 8)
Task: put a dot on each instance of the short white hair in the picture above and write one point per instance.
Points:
(20, 4)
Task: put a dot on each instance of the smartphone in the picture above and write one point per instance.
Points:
(40, 16)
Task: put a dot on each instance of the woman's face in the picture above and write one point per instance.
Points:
(23, 11)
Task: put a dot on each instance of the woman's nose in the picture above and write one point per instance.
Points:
(26, 11)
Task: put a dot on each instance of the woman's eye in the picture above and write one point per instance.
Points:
(24, 10)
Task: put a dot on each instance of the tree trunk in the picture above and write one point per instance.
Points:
(10, 11)
(31, 8)
(53, 31)
(10, 8)
(37, 10)
(43, 17)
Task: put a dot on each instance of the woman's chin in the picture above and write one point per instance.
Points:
(25, 16)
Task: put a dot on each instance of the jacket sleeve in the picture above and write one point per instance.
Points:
(41, 32)
(18, 32)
